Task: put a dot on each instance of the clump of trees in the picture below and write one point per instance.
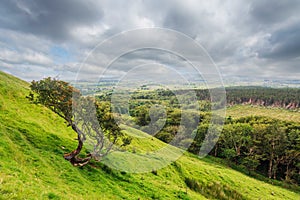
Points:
(92, 120)
(262, 144)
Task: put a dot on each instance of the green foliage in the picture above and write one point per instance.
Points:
(92, 121)
(56, 95)
(251, 162)
(165, 136)
(262, 144)
(229, 154)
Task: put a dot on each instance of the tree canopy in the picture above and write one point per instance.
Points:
(92, 120)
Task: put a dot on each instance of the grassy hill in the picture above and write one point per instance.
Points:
(33, 140)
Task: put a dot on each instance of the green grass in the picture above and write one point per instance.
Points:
(33, 140)
(276, 113)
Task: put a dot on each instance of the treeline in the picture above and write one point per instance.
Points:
(261, 144)
(288, 98)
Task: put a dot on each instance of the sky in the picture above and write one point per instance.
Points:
(254, 39)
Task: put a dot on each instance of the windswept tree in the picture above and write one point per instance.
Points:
(92, 121)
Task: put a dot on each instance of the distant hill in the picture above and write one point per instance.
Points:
(33, 140)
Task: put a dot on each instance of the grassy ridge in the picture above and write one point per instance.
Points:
(33, 140)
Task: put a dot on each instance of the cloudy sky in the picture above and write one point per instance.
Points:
(259, 39)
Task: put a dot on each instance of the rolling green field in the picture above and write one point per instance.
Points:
(277, 113)
(33, 140)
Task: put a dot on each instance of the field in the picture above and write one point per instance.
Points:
(33, 140)
(277, 113)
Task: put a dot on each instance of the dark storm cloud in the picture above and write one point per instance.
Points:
(53, 19)
(283, 44)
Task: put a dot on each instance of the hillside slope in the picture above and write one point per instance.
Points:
(33, 140)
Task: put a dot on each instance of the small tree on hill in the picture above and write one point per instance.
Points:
(92, 121)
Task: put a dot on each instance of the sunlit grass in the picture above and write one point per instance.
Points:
(238, 111)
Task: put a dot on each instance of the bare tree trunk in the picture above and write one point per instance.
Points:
(238, 150)
(216, 150)
(74, 153)
(270, 168)
(275, 170)
(72, 157)
(270, 171)
(287, 173)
